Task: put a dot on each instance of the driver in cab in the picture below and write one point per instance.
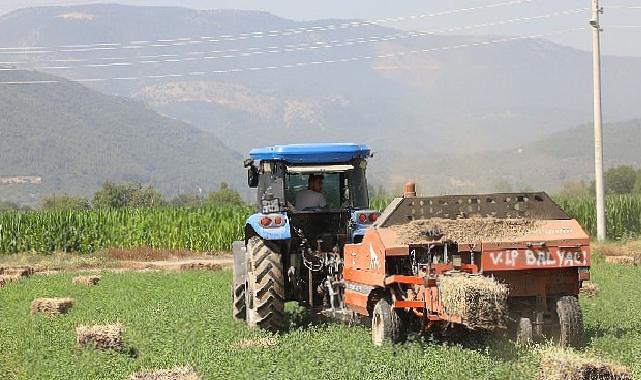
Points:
(312, 198)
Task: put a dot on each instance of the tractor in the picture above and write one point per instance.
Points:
(345, 261)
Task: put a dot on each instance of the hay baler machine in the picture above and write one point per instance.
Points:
(513, 262)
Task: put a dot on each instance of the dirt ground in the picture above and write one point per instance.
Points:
(119, 260)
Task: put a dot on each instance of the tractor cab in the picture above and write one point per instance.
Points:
(282, 176)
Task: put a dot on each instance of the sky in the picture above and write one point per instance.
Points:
(622, 27)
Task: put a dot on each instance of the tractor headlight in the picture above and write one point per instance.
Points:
(270, 206)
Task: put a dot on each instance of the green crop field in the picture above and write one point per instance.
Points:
(195, 229)
(184, 318)
(214, 228)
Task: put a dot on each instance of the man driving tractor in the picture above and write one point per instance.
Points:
(313, 197)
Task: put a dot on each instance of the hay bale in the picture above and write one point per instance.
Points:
(20, 271)
(589, 289)
(51, 306)
(620, 260)
(565, 365)
(637, 258)
(7, 278)
(178, 373)
(470, 230)
(86, 280)
(263, 342)
(100, 337)
(480, 301)
(201, 266)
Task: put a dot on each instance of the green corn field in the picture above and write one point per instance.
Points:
(196, 229)
(215, 228)
(623, 214)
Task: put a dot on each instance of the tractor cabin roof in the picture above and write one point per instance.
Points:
(312, 153)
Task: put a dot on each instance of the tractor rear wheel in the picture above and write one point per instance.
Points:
(570, 317)
(265, 292)
(387, 324)
(238, 302)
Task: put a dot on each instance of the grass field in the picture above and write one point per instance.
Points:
(174, 319)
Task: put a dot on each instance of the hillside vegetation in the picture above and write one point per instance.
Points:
(74, 138)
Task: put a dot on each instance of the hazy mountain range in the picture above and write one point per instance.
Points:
(448, 115)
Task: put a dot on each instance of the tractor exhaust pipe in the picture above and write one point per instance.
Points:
(409, 190)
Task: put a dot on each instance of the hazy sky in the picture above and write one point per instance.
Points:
(620, 41)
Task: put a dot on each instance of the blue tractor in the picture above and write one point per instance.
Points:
(293, 246)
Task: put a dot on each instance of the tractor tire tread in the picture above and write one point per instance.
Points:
(239, 307)
(267, 286)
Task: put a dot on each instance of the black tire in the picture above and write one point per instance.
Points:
(239, 310)
(265, 291)
(387, 324)
(524, 331)
(570, 318)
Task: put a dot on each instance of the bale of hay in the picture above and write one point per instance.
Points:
(637, 258)
(178, 373)
(100, 337)
(86, 280)
(479, 300)
(51, 306)
(7, 278)
(201, 266)
(470, 230)
(20, 271)
(565, 365)
(589, 289)
(620, 260)
(263, 342)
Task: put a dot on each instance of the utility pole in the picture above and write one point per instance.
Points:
(598, 129)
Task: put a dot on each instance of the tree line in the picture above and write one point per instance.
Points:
(133, 195)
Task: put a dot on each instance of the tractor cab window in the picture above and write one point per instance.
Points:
(331, 191)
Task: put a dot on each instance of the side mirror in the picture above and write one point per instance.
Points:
(252, 173)
(252, 177)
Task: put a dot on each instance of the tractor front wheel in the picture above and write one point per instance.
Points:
(387, 324)
(265, 291)
(570, 317)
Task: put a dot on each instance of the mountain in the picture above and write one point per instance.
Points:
(470, 98)
(64, 137)
(447, 110)
(542, 165)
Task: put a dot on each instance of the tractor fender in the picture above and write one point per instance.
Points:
(272, 233)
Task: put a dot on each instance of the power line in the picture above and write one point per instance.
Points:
(302, 64)
(174, 58)
(186, 41)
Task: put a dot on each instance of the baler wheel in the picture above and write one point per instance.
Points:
(387, 324)
(239, 310)
(265, 292)
(570, 321)
(524, 331)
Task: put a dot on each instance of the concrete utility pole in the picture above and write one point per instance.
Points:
(598, 130)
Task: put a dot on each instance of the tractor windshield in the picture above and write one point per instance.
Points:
(343, 186)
